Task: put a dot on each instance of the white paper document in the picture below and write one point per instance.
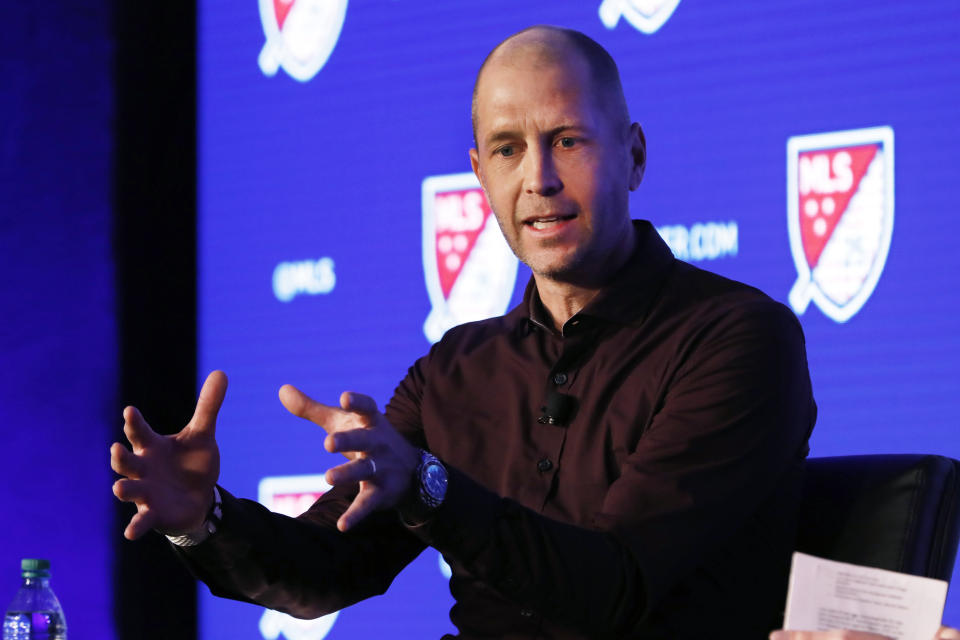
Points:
(825, 595)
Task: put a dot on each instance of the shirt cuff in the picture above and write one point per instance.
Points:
(462, 523)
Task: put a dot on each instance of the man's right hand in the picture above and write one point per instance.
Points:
(170, 478)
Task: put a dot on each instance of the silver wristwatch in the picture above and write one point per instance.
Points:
(207, 529)
(431, 478)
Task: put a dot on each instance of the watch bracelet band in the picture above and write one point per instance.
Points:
(418, 507)
(429, 501)
(207, 529)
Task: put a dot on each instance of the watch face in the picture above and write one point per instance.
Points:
(434, 479)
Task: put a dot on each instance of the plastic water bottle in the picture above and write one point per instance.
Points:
(35, 613)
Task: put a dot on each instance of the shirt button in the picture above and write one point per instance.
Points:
(559, 379)
(544, 465)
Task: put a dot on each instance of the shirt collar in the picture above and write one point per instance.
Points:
(626, 299)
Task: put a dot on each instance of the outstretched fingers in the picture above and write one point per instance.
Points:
(351, 401)
(124, 462)
(136, 491)
(350, 472)
(211, 396)
(131, 490)
(303, 406)
(350, 441)
(136, 429)
(366, 502)
(141, 522)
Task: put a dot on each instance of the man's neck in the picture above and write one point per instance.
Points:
(562, 299)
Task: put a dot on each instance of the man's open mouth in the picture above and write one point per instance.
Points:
(545, 222)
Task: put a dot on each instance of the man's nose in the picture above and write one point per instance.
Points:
(540, 172)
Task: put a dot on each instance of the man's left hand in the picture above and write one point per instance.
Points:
(380, 459)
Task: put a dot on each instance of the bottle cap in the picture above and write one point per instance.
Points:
(35, 568)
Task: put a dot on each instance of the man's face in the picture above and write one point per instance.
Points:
(556, 166)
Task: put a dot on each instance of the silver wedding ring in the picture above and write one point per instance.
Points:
(373, 467)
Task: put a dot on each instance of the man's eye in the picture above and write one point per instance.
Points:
(505, 151)
(567, 142)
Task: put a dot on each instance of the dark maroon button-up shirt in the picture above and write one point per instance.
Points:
(633, 475)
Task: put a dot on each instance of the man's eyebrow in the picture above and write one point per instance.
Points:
(567, 127)
(503, 134)
(507, 134)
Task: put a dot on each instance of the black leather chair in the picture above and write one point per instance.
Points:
(899, 512)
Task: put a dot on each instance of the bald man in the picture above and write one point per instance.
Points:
(619, 456)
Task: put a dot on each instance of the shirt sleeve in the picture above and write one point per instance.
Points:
(303, 566)
(735, 415)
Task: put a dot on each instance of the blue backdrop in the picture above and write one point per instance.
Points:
(333, 220)
(57, 341)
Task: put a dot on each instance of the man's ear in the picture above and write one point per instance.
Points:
(638, 155)
(475, 164)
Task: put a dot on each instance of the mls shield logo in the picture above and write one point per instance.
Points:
(645, 15)
(469, 269)
(291, 496)
(300, 35)
(840, 217)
